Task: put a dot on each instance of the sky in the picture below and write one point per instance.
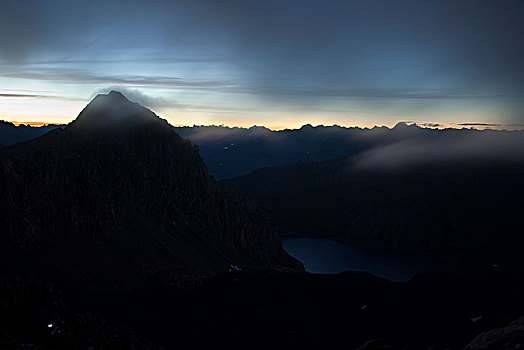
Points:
(280, 64)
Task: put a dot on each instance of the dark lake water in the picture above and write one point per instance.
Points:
(327, 256)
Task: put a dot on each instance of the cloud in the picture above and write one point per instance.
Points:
(40, 96)
(19, 31)
(393, 93)
(478, 124)
(79, 76)
(138, 96)
(23, 96)
(447, 145)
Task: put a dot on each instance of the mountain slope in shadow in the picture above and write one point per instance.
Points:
(118, 196)
(11, 134)
(466, 209)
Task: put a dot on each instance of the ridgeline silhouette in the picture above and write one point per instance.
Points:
(230, 152)
(118, 196)
(114, 235)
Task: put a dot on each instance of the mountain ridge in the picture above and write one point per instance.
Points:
(231, 152)
(115, 204)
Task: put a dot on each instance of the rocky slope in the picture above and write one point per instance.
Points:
(502, 338)
(118, 196)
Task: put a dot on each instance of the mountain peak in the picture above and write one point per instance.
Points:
(116, 95)
(406, 125)
(112, 98)
(112, 110)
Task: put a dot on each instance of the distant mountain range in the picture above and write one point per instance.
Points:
(230, 152)
(11, 134)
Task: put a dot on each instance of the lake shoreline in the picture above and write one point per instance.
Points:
(474, 269)
(327, 256)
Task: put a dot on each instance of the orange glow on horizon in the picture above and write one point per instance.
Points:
(34, 124)
(278, 127)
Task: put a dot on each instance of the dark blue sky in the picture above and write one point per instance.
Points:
(276, 63)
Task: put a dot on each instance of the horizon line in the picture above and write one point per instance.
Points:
(461, 126)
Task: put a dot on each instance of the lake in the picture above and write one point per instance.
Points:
(328, 256)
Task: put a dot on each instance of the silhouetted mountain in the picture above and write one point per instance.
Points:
(230, 152)
(118, 196)
(464, 208)
(11, 134)
(106, 223)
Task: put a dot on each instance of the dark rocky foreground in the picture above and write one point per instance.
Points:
(509, 337)
(266, 307)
